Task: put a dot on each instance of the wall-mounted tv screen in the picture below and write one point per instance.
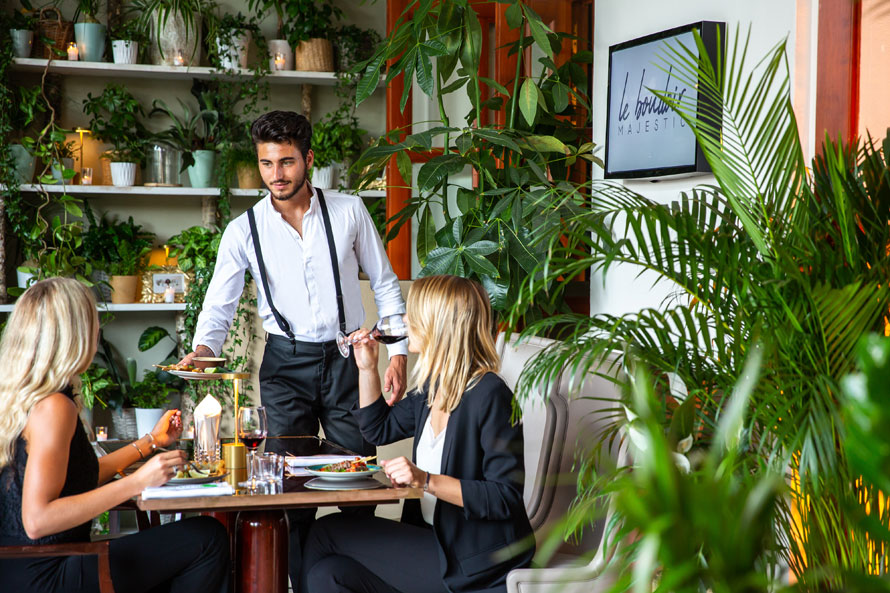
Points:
(645, 138)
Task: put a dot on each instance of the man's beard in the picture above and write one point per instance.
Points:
(284, 198)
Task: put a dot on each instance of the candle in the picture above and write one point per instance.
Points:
(101, 433)
(279, 61)
(169, 293)
(72, 51)
(86, 176)
(178, 59)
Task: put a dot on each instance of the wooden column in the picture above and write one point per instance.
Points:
(399, 191)
(837, 82)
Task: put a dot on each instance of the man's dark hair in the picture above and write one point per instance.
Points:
(283, 127)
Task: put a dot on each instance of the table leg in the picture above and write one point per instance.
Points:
(261, 552)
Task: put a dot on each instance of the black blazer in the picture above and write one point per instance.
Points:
(487, 538)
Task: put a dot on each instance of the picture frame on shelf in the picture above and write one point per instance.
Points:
(156, 281)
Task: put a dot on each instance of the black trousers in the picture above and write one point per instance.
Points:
(368, 555)
(302, 385)
(189, 556)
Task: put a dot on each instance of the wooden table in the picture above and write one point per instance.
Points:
(259, 525)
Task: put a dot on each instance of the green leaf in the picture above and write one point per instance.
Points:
(403, 164)
(497, 137)
(456, 84)
(151, 337)
(482, 248)
(514, 15)
(496, 85)
(560, 97)
(480, 265)
(528, 100)
(546, 144)
(426, 236)
(466, 200)
(424, 72)
(457, 230)
(539, 30)
(463, 143)
(370, 80)
(497, 290)
(471, 48)
(442, 260)
(73, 209)
(435, 170)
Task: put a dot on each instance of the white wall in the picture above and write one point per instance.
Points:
(616, 21)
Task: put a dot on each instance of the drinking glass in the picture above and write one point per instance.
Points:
(252, 432)
(389, 330)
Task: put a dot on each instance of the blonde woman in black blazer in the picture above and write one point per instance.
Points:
(479, 529)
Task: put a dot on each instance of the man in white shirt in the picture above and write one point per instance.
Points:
(311, 246)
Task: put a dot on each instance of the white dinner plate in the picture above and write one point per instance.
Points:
(357, 484)
(315, 470)
(202, 480)
(195, 376)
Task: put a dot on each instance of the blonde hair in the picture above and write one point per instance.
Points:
(48, 341)
(451, 319)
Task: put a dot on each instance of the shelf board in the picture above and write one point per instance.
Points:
(149, 71)
(113, 308)
(96, 191)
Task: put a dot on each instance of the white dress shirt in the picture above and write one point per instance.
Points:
(429, 452)
(300, 274)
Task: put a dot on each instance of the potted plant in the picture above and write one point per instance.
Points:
(119, 249)
(96, 385)
(231, 37)
(149, 397)
(115, 119)
(126, 39)
(309, 29)
(175, 27)
(21, 30)
(89, 34)
(196, 136)
(353, 45)
(335, 139)
(195, 247)
(30, 105)
(62, 166)
(244, 156)
(278, 47)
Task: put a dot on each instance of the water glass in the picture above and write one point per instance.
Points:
(86, 176)
(272, 469)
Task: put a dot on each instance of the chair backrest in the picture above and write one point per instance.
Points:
(560, 420)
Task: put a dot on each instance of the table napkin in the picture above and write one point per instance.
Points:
(188, 490)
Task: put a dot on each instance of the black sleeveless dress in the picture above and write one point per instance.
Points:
(56, 575)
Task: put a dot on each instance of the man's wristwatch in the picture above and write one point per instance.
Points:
(426, 484)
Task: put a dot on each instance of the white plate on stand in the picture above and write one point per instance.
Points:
(356, 484)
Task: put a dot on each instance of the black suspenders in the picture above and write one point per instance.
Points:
(332, 248)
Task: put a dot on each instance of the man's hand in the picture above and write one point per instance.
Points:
(395, 380)
(201, 350)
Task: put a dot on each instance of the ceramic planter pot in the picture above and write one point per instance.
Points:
(233, 53)
(90, 38)
(125, 52)
(172, 40)
(123, 289)
(123, 174)
(281, 46)
(123, 424)
(323, 177)
(146, 418)
(314, 55)
(22, 42)
(25, 163)
(25, 279)
(249, 176)
(101, 286)
(58, 170)
(201, 173)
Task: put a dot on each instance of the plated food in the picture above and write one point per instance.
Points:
(344, 470)
(187, 371)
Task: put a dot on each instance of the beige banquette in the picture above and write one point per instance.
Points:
(560, 420)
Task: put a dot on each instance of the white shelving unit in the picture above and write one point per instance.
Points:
(148, 71)
(128, 307)
(94, 191)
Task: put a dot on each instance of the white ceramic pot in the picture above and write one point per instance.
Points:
(281, 46)
(233, 54)
(25, 279)
(124, 51)
(123, 174)
(323, 177)
(146, 418)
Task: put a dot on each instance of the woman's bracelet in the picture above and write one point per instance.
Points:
(138, 450)
(152, 442)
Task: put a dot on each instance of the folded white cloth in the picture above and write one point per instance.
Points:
(188, 490)
(310, 460)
